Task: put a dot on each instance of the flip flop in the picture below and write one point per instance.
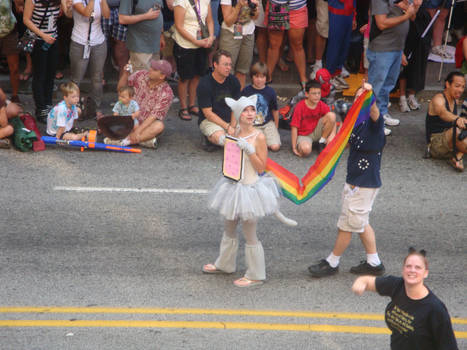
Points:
(183, 114)
(245, 282)
(211, 269)
(25, 76)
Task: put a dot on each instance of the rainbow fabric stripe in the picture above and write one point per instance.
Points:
(322, 171)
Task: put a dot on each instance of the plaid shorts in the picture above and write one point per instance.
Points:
(112, 28)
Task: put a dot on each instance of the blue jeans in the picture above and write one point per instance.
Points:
(382, 75)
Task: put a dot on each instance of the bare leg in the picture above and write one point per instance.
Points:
(192, 85)
(329, 126)
(262, 43)
(368, 239)
(183, 92)
(275, 41)
(342, 242)
(296, 43)
(13, 66)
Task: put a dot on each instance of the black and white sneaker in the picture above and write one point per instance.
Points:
(322, 269)
(366, 269)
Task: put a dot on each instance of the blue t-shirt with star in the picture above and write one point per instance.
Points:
(266, 103)
(366, 146)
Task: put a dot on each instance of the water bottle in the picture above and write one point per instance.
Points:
(45, 45)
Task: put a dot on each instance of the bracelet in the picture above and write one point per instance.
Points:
(455, 121)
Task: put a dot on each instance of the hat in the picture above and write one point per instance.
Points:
(162, 66)
(324, 78)
(237, 106)
(116, 127)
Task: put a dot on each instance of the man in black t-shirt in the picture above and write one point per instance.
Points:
(442, 119)
(215, 117)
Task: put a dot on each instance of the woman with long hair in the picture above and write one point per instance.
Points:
(40, 17)
(416, 317)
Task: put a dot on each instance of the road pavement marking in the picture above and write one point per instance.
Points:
(129, 189)
(197, 311)
(203, 325)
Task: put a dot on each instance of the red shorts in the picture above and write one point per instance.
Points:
(299, 18)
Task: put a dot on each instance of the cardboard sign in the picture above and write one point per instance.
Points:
(232, 167)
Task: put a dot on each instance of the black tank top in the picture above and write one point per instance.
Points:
(434, 124)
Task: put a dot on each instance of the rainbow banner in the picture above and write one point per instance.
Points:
(322, 171)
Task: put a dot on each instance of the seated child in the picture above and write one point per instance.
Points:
(267, 113)
(126, 105)
(61, 118)
(5, 128)
(312, 121)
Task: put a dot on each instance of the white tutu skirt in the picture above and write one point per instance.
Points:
(235, 200)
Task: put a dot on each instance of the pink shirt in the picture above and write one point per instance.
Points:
(153, 101)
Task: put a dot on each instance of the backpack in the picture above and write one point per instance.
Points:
(7, 19)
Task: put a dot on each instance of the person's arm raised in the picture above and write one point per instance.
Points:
(363, 284)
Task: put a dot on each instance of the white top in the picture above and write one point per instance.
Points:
(81, 25)
(259, 22)
(191, 21)
(61, 116)
(248, 27)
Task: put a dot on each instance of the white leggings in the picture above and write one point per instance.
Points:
(254, 253)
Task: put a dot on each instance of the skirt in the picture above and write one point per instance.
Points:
(235, 200)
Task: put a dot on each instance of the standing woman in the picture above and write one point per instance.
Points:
(88, 46)
(417, 318)
(238, 34)
(297, 23)
(40, 17)
(194, 34)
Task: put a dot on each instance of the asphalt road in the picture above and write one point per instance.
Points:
(127, 257)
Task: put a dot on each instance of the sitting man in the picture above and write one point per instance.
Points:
(7, 110)
(154, 96)
(442, 121)
(312, 121)
(215, 117)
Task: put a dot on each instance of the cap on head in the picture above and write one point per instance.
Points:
(237, 106)
(162, 66)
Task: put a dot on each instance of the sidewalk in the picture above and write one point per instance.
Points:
(284, 83)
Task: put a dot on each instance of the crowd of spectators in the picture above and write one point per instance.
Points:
(312, 34)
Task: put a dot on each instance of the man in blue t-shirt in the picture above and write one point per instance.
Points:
(362, 184)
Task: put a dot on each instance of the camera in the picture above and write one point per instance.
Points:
(252, 5)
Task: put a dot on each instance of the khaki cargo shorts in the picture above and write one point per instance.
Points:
(314, 136)
(357, 203)
(208, 128)
(270, 131)
(322, 18)
(439, 147)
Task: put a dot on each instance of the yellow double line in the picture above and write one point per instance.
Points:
(201, 324)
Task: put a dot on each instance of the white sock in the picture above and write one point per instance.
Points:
(373, 259)
(125, 141)
(333, 260)
(402, 98)
(322, 140)
(319, 63)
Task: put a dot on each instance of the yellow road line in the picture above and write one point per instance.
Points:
(194, 311)
(203, 325)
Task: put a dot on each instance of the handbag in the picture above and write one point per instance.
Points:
(278, 16)
(28, 40)
(203, 27)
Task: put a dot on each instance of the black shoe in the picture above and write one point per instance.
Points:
(41, 115)
(322, 269)
(366, 269)
(320, 147)
(207, 145)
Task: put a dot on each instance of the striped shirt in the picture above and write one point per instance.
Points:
(293, 4)
(49, 24)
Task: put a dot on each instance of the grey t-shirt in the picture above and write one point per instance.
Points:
(391, 39)
(143, 36)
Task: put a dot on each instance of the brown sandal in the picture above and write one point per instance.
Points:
(183, 114)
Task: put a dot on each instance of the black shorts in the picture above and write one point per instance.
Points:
(190, 62)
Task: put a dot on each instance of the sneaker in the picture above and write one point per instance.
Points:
(438, 50)
(341, 80)
(403, 104)
(338, 85)
(314, 69)
(387, 131)
(175, 100)
(41, 115)
(320, 147)
(413, 103)
(152, 143)
(5, 143)
(366, 269)
(322, 269)
(388, 120)
(344, 73)
(109, 141)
